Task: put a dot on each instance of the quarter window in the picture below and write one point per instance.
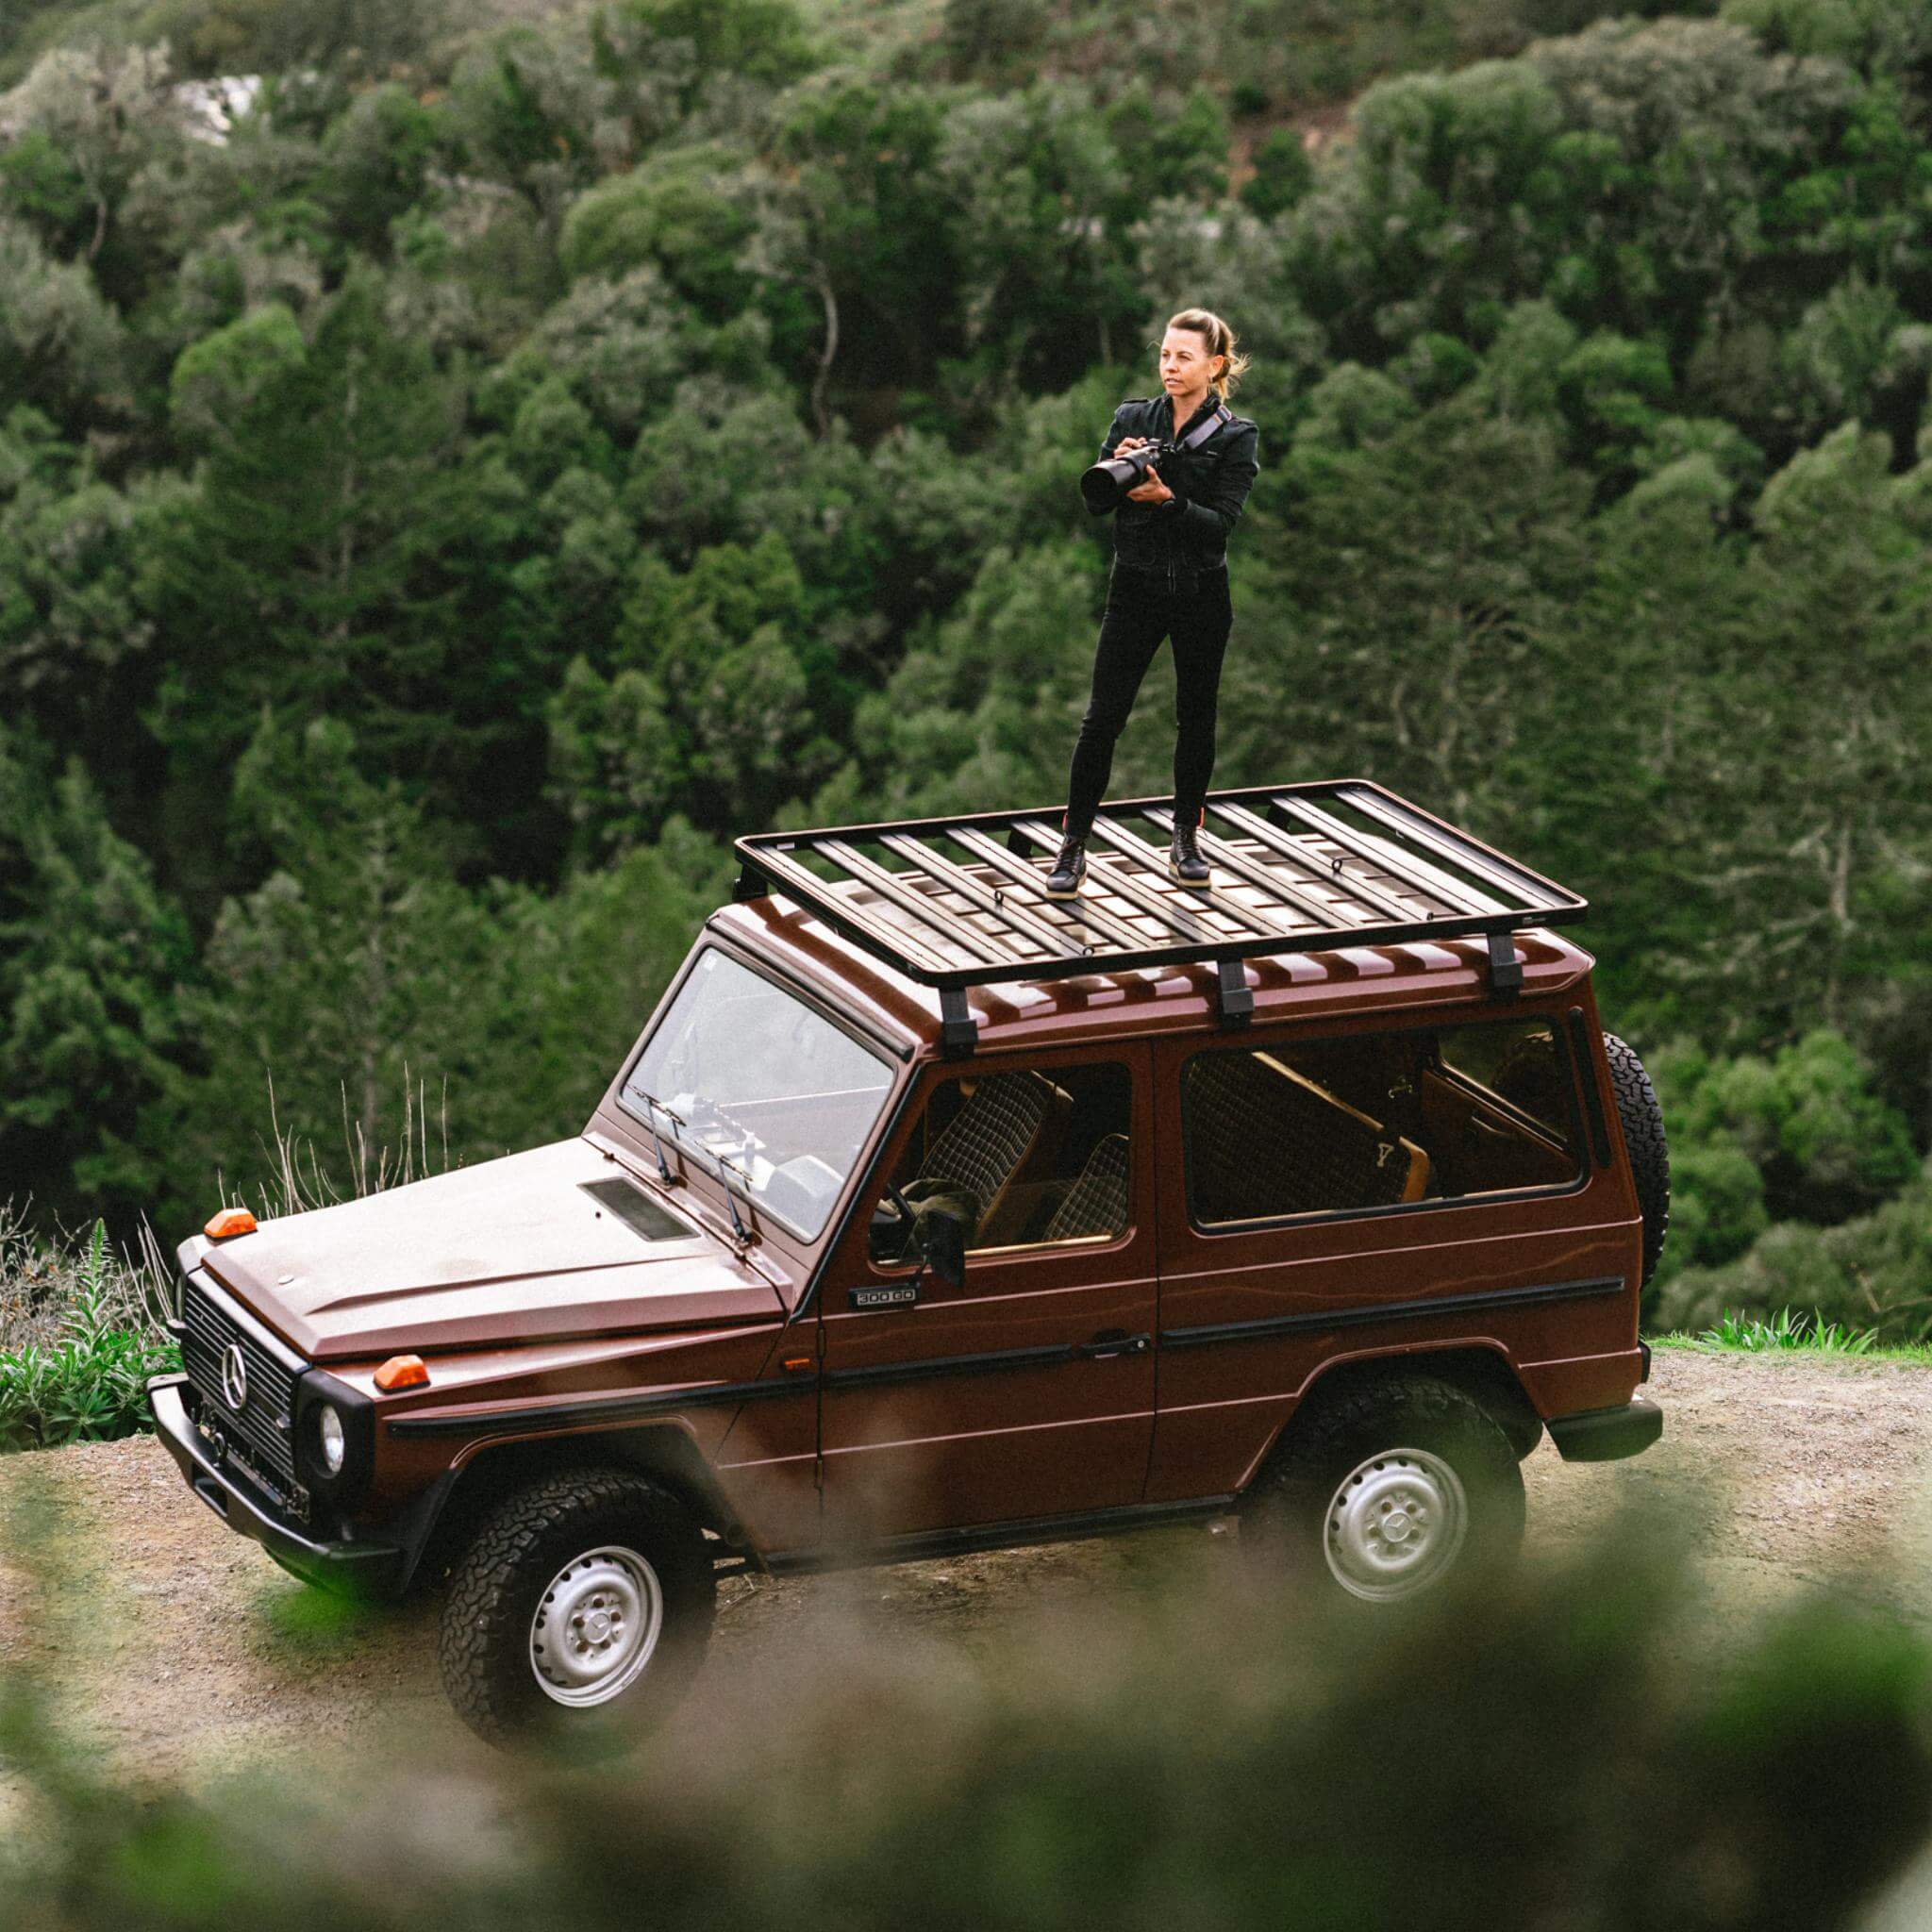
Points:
(1376, 1121)
(1022, 1156)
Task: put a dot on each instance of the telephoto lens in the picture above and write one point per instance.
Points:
(1108, 481)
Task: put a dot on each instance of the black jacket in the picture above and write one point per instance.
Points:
(1210, 482)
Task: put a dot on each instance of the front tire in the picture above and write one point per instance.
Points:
(581, 1612)
(1386, 1494)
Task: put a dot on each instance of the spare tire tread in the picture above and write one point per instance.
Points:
(1642, 1119)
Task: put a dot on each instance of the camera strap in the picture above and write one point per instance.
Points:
(1206, 426)
(1199, 434)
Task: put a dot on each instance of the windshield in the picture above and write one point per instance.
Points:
(746, 1073)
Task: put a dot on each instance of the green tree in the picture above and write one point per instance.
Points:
(852, 225)
(92, 955)
(94, 123)
(1410, 624)
(320, 566)
(1044, 195)
(61, 346)
(70, 615)
(984, 709)
(360, 986)
(680, 212)
(332, 983)
(1825, 683)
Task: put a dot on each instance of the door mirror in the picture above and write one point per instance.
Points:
(941, 1236)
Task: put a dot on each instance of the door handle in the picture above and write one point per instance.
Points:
(1113, 1341)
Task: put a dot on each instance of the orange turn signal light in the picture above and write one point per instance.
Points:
(229, 1221)
(402, 1372)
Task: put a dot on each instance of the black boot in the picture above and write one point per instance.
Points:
(1069, 869)
(1184, 858)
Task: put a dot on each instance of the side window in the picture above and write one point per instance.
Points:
(1021, 1158)
(1376, 1121)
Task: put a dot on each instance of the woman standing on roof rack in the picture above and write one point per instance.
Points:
(1168, 579)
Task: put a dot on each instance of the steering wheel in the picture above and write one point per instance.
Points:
(888, 1233)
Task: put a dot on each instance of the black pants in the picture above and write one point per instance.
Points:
(1140, 611)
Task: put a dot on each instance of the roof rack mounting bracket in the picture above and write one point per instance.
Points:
(959, 1030)
(1232, 995)
(750, 884)
(1505, 969)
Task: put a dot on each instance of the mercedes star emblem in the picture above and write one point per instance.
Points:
(235, 1377)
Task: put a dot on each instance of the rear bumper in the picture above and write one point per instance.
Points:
(1605, 1435)
(361, 1569)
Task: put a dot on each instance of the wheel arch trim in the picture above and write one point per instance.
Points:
(1480, 1364)
(489, 1468)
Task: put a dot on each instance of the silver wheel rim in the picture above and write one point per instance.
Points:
(1394, 1524)
(596, 1627)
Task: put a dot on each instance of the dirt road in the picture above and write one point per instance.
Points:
(182, 1652)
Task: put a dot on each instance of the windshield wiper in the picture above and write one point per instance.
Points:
(704, 1152)
(738, 1226)
(657, 1107)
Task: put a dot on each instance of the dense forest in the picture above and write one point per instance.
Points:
(458, 471)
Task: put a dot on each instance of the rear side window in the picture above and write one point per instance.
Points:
(1383, 1119)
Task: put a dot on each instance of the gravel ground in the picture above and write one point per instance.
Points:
(182, 1653)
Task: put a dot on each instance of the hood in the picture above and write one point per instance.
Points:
(510, 1250)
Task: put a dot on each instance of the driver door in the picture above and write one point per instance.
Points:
(1028, 1390)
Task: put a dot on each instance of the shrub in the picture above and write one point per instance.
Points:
(1808, 1116)
(1872, 1272)
(80, 1334)
(1717, 1202)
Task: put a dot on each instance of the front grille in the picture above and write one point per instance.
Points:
(265, 1426)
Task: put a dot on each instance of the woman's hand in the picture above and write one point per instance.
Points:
(1150, 489)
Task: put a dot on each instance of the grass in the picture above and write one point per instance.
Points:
(1794, 1332)
(81, 1330)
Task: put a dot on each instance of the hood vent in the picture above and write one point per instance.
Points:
(638, 1211)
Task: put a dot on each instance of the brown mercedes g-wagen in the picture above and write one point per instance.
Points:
(932, 1214)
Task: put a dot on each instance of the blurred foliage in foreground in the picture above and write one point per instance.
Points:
(1550, 1753)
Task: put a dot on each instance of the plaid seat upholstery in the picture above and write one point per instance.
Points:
(1263, 1140)
(984, 1143)
(1097, 1201)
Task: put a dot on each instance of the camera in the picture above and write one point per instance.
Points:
(1106, 483)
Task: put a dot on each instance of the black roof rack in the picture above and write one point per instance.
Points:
(959, 902)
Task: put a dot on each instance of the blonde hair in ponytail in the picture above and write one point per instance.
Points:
(1221, 342)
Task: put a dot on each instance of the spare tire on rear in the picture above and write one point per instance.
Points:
(1644, 1134)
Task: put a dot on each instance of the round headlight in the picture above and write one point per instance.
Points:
(334, 1446)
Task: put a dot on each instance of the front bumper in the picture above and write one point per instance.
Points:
(362, 1569)
(1603, 1435)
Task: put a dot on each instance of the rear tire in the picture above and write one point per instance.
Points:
(579, 1613)
(1644, 1134)
(1386, 1493)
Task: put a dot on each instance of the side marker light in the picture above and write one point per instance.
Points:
(402, 1372)
(230, 1221)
